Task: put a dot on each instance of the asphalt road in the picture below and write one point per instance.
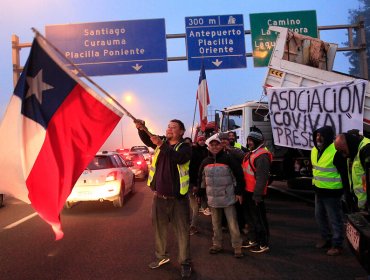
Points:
(103, 242)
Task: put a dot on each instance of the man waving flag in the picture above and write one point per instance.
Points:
(203, 97)
(53, 127)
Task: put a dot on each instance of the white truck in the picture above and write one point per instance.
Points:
(288, 164)
(287, 69)
(285, 73)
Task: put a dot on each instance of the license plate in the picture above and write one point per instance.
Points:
(353, 236)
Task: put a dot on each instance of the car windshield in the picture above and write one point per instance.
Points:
(100, 162)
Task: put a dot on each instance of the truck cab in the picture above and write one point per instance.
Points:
(288, 164)
(240, 118)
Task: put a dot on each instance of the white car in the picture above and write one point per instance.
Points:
(107, 177)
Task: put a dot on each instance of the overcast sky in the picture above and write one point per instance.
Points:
(160, 97)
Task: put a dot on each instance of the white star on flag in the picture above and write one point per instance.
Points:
(37, 86)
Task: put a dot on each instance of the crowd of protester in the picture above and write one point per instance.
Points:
(221, 178)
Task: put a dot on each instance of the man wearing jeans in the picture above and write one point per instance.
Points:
(329, 176)
(169, 179)
(256, 167)
(221, 178)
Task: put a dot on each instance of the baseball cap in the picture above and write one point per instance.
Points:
(214, 139)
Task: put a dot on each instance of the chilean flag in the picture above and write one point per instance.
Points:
(52, 128)
(203, 98)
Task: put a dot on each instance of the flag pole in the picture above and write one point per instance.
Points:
(90, 80)
(195, 109)
(196, 99)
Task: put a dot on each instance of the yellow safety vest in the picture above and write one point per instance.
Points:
(182, 168)
(358, 177)
(237, 145)
(325, 174)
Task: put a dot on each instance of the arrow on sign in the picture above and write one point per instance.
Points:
(276, 73)
(137, 67)
(217, 62)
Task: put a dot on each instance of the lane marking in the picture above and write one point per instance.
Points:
(20, 221)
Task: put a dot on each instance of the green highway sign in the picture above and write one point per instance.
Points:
(263, 41)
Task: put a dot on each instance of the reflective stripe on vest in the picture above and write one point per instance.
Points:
(325, 174)
(248, 169)
(358, 176)
(183, 170)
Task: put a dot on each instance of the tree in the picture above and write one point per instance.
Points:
(364, 11)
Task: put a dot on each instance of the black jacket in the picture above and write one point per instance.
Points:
(198, 154)
(353, 142)
(166, 178)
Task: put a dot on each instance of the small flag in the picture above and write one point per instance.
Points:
(52, 128)
(203, 98)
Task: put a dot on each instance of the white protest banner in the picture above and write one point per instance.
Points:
(295, 113)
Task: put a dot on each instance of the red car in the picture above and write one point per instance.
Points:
(140, 166)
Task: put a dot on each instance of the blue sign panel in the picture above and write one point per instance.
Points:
(112, 48)
(216, 41)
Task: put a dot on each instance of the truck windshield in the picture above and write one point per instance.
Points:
(260, 115)
(232, 120)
